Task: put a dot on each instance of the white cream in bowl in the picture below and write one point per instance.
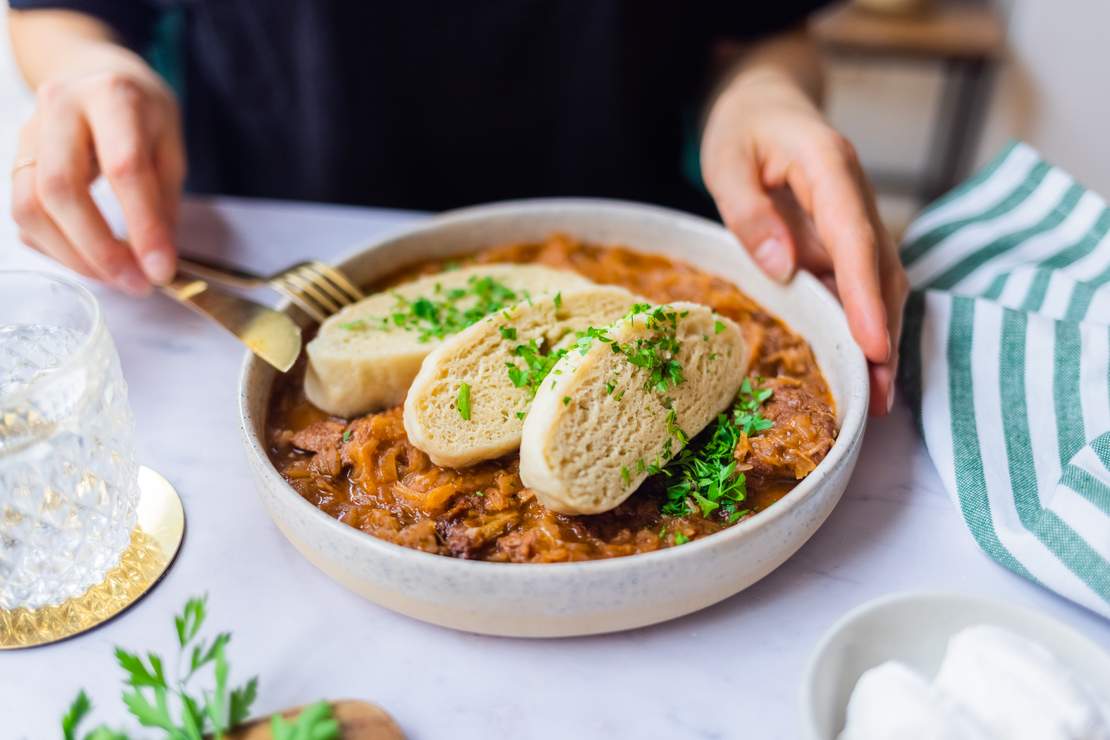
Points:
(992, 685)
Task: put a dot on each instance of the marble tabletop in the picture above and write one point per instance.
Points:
(732, 670)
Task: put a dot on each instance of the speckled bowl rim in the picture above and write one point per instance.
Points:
(853, 418)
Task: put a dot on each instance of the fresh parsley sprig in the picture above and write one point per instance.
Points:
(151, 693)
(315, 722)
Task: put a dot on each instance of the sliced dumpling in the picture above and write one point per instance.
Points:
(364, 357)
(607, 415)
(470, 397)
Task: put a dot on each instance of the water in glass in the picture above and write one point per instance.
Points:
(68, 487)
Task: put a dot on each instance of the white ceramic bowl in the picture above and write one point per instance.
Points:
(562, 599)
(914, 629)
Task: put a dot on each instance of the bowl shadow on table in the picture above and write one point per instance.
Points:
(827, 558)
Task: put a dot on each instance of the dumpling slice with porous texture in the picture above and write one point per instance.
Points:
(596, 428)
(468, 402)
(361, 360)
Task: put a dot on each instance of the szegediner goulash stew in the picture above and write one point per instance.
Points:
(365, 473)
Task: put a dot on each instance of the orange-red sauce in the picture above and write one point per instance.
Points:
(364, 471)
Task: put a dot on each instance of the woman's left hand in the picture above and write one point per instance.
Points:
(792, 190)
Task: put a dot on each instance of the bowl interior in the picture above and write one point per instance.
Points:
(804, 304)
(914, 629)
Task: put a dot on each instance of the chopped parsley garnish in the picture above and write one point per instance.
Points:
(656, 352)
(463, 401)
(718, 326)
(538, 361)
(446, 312)
(346, 436)
(707, 478)
(520, 415)
(559, 299)
(747, 414)
(507, 332)
(566, 400)
(626, 475)
(680, 538)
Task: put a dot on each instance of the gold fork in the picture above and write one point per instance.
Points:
(317, 289)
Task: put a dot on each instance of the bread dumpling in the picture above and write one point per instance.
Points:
(468, 401)
(594, 430)
(361, 360)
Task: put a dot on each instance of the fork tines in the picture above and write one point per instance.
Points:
(317, 289)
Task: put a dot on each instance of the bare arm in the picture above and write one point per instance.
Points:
(100, 109)
(792, 190)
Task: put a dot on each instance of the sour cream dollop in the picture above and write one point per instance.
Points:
(992, 685)
(893, 702)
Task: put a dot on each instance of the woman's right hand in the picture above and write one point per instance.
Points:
(115, 117)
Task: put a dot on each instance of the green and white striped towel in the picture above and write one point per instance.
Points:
(1006, 358)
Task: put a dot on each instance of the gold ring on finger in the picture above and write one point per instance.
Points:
(23, 163)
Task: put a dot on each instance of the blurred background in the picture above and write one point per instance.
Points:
(927, 89)
(1038, 75)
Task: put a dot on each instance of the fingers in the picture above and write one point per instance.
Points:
(882, 389)
(126, 154)
(63, 174)
(169, 163)
(749, 213)
(128, 130)
(37, 230)
(809, 253)
(830, 186)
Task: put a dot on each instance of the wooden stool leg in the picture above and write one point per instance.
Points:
(958, 125)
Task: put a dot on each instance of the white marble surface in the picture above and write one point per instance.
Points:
(732, 670)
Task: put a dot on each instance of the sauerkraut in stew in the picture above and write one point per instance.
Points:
(365, 473)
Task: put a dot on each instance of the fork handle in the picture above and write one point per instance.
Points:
(219, 272)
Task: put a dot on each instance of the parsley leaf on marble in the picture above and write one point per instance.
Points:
(156, 699)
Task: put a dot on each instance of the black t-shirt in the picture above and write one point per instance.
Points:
(433, 104)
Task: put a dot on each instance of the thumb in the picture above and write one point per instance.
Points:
(749, 212)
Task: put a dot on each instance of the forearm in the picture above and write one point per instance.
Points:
(54, 44)
(789, 61)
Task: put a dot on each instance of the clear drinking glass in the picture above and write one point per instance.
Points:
(68, 488)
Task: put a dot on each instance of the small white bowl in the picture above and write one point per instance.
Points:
(914, 629)
(560, 599)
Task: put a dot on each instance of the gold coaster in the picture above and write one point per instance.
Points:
(154, 543)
